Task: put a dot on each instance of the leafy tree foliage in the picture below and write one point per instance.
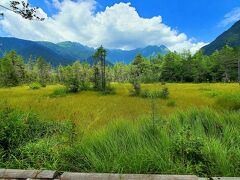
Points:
(100, 59)
(76, 77)
(43, 71)
(12, 72)
(221, 66)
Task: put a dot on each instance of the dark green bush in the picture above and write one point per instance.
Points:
(109, 91)
(73, 85)
(151, 94)
(187, 150)
(17, 129)
(84, 86)
(61, 92)
(35, 85)
(43, 84)
(136, 91)
(163, 94)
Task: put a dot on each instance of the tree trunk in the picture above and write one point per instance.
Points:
(104, 73)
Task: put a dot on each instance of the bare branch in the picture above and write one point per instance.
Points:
(23, 9)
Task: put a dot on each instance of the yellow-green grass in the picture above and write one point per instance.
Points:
(91, 110)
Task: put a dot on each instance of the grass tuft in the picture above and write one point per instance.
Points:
(229, 101)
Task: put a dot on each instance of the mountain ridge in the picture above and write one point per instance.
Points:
(67, 52)
(230, 37)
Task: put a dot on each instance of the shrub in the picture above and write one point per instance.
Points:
(165, 93)
(35, 85)
(17, 129)
(155, 94)
(136, 91)
(146, 93)
(61, 92)
(43, 84)
(188, 150)
(73, 85)
(151, 94)
(109, 91)
(84, 86)
(2, 161)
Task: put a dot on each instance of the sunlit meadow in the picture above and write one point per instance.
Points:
(91, 109)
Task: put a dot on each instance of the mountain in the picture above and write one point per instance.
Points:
(116, 55)
(67, 52)
(27, 48)
(70, 49)
(231, 38)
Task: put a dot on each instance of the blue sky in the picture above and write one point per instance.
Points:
(197, 18)
(179, 24)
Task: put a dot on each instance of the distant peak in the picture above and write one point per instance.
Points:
(231, 37)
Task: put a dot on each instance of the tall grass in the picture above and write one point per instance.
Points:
(193, 142)
(201, 142)
(229, 101)
(90, 109)
(27, 142)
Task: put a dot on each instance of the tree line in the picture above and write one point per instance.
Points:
(221, 66)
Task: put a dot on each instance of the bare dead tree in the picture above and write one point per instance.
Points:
(23, 9)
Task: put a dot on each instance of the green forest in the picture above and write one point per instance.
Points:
(221, 66)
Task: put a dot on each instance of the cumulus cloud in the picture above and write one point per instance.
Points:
(118, 26)
(231, 17)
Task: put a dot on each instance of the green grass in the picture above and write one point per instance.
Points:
(191, 142)
(201, 142)
(229, 101)
(195, 131)
(59, 92)
(90, 109)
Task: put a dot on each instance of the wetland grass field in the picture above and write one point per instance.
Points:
(193, 131)
(90, 109)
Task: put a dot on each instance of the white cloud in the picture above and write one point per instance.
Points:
(231, 17)
(118, 26)
(4, 2)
